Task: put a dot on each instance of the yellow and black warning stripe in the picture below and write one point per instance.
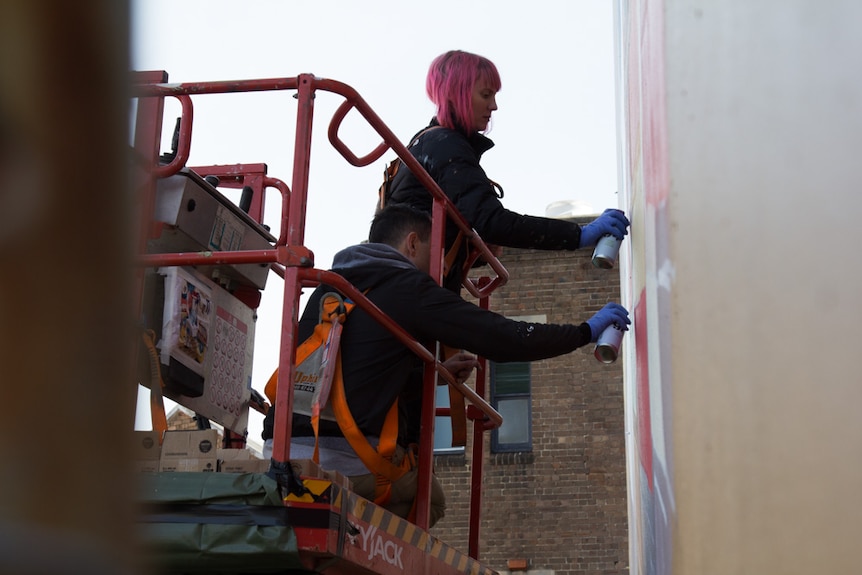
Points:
(316, 491)
(324, 491)
(411, 535)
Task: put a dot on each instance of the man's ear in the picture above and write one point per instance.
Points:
(411, 243)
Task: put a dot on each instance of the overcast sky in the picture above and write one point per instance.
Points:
(554, 130)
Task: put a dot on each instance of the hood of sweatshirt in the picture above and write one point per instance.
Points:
(368, 255)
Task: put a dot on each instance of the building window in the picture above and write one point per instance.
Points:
(510, 395)
(443, 425)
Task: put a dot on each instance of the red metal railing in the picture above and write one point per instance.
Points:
(294, 262)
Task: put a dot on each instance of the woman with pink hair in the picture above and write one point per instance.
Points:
(463, 87)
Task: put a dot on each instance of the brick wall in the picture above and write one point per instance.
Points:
(562, 506)
(181, 419)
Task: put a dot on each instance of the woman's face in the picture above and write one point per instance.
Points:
(484, 103)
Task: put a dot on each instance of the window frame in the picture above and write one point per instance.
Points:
(495, 445)
(443, 391)
(509, 447)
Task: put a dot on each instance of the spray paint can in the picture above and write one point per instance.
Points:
(606, 252)
(608, 344)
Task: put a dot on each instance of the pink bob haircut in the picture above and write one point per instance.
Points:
(450, 82)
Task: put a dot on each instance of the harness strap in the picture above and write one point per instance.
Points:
(333, 313)
(157, 404)
(327, 333)
(377, 461)
(450, 256)
(457, 407)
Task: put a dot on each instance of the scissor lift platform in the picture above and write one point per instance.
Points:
(251, 523)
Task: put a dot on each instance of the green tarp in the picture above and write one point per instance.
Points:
(215, 523)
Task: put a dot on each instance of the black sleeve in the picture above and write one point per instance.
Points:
(468, 187)
(443, 315)
(454, 165)
(497, 225)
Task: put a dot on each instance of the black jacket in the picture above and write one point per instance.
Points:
(377, 368)
(452, 160)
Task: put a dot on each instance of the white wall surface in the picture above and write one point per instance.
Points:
(754, 385)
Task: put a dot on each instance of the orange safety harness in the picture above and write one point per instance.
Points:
(157, 404)
(319, 357)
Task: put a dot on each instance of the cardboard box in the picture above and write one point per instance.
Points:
(190, 451)
(240, 461)
(146, 451)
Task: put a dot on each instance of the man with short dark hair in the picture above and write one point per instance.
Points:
(392, 269)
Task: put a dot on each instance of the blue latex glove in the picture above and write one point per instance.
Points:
(612, 313)
(611, 221)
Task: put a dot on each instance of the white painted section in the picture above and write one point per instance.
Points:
(750, 282)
